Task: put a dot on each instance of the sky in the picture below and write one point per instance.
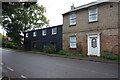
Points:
(55, 9)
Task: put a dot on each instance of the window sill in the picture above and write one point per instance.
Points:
(72, 25)
(72, 48)
(43, 35)
(53, 34)
(93, 21)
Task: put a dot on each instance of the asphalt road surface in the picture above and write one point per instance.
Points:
(18, 64)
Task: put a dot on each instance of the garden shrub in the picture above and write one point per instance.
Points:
(50, 49)
(11, 45)
(15, 46)
(82, 55)
(69, 54)
(110, 56)
(8, 45)
(62, 52)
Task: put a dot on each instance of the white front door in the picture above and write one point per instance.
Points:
(93, 44)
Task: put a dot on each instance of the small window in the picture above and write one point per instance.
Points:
(43, 32)
(34, 34)
(54, 31)
(26, 35)
(73, 42)
(93, 14)
(72, 19)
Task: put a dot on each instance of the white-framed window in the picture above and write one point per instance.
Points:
(44, 32)
(72, 19)
(26, 35)
(34, 34)
(93, 14)
(54, 31)
(73, 42)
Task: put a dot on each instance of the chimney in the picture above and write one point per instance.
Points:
(72, 7)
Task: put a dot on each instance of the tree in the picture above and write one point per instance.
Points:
(3, 39)
(20, 17)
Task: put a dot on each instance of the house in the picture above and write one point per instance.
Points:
(37, 39)
(92, 28)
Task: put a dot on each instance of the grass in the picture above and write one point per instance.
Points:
(73, 55)
(99, 58)
(57, 54)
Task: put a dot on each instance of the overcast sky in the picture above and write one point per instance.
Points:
(55, 9)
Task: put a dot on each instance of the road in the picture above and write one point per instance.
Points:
(18, 64)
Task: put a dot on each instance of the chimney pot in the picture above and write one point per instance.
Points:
(72, 7)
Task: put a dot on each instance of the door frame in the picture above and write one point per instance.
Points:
(96, 34)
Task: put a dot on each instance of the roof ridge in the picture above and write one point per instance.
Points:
(88, 5)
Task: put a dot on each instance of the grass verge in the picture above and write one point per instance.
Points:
(67, 54)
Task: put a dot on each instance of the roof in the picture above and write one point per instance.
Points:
(88, 5)
(43, 28)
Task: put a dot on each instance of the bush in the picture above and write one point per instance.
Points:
(69, 54)
(49, 49)
(15, 46)
(8, 45)
(82, 55)
(110, 56)
(62, 52)
(11, 45)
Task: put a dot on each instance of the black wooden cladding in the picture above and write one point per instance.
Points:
(38, 42)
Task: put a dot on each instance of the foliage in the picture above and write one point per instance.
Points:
(3, 39)
(110, 56)
(11, 45)
(82, 55)
(49, 49)
(17, 19)
(8, 45)
(63, 52)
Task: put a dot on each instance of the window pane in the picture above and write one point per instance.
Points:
(54, 31)
(44, 32)
(34, 34)
(73, 42)
(72, 19)
(94, 43)
(93, 14)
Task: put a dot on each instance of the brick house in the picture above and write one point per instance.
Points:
(37, 39)
(92, 28)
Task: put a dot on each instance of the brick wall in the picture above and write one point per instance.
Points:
(108, 41)
(108, 23)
